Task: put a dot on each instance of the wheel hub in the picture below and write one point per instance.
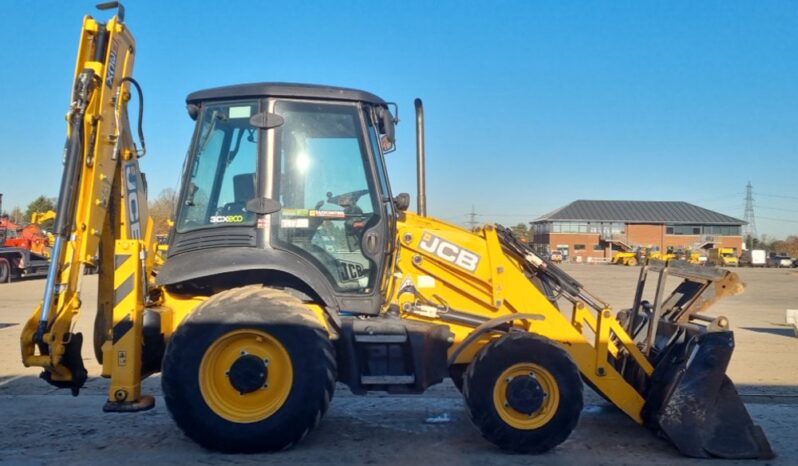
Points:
(525, 394)
(248, 373)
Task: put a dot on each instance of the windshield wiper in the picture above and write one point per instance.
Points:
(215, 116)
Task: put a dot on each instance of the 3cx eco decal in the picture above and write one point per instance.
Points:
(450, 252)
(226, 219)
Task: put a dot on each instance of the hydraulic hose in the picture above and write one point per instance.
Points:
(141, 112)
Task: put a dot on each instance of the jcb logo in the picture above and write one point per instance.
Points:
(450, 252)
(350, 271)
(133, 211)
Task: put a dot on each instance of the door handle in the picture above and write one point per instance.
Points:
(371, 243)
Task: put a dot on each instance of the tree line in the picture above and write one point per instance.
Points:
(162, 208)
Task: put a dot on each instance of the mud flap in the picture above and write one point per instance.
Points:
(695, 405)
(73, 361)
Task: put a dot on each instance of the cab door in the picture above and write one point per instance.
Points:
(333, 214)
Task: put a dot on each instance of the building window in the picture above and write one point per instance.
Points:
(597, 247)
(540, 228)
(723, 230)
(684, 229)
(579, 247)
(576, 227)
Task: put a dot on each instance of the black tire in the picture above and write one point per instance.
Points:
(516, 350)
(5, 270)
(456, 373)
(102, 322)
(284, 318)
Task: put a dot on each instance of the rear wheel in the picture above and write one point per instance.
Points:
(5, 270)
(524, 393)
(631, 262)
(250, 370)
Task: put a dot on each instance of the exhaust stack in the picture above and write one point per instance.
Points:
(420, 159)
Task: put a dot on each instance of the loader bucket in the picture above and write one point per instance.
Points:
(695, 405)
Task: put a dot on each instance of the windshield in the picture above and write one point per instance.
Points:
(222, 168)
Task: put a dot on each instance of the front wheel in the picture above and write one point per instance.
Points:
(251, 370)
(5, 270)
(524, 393)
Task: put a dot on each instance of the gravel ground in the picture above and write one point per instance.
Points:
(385, 429)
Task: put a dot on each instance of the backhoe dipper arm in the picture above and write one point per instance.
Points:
(102, 198)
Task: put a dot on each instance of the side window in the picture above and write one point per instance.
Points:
(222, 169)
(203, 170)
(238, 182)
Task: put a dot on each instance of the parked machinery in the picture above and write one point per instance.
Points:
(24, 250)
(291, 266)
(722, 257)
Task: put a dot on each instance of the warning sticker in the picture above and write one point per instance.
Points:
(241, 112)
(328, 213)
(295, 212)
(294, 223)
(426, 281)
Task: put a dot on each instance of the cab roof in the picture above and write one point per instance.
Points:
(294, 90)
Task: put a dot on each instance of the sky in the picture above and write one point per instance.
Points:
(529, 105)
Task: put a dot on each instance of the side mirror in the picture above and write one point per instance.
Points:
(193, 111)
(266, 120)
(263, 205)
(387, 129)
(402, 201)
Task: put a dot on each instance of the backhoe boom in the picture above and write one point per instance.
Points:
(102, 201)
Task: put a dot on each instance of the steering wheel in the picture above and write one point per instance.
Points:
(355, 220)
(346, 199)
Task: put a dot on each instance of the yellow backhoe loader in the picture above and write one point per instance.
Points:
(292, 266)
(625, 258)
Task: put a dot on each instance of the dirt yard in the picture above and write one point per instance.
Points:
(42, 425)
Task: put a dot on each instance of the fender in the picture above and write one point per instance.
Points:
(200, 264)
(489, 326)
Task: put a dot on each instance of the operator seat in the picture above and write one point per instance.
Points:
(243, 191)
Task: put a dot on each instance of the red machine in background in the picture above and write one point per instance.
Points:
(24, 250)
(30, 236)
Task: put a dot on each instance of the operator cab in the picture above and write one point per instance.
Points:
(287, 183)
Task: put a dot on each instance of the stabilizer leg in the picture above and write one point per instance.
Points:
(122, 355)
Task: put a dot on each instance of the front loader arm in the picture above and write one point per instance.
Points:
(101, 199)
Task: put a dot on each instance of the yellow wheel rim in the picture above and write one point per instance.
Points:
(220, 394)
(520, 420)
